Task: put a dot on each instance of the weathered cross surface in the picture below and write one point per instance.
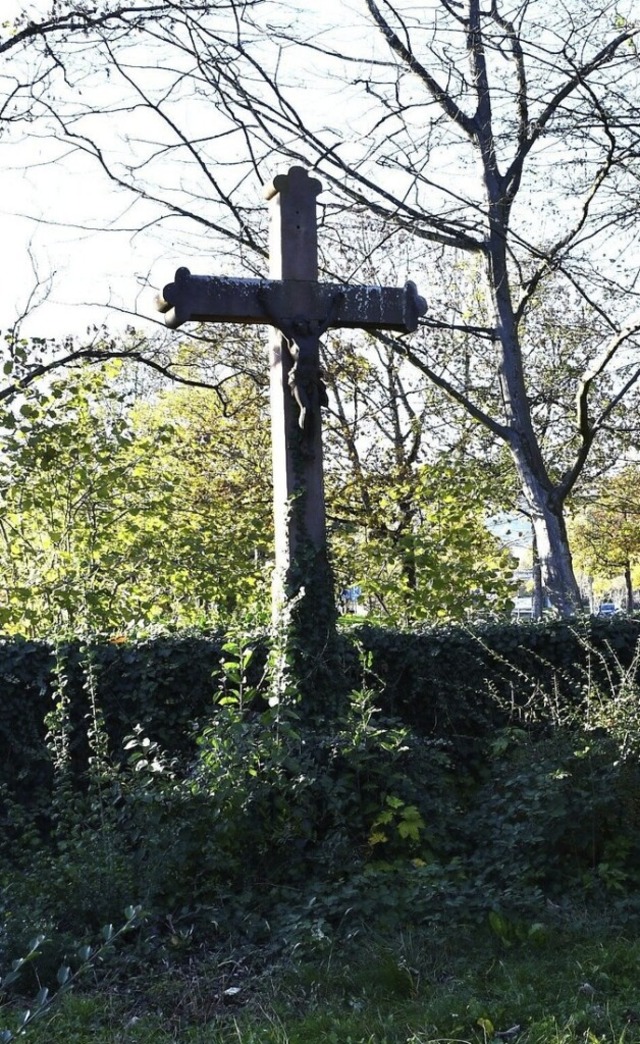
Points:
(300, 309)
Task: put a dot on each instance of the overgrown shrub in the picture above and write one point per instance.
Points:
(269, 820)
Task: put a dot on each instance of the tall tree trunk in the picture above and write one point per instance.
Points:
(556, 565)
(544, 503)
(628, 585)
(550, 539)
(536, 569)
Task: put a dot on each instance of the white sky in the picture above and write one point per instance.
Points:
(50, 215)
(82, 266)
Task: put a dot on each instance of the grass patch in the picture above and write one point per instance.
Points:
(571, 986)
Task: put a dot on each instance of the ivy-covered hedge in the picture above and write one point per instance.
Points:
(163, 684)
(448, 682)
(457, 680)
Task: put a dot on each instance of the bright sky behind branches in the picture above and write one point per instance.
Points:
(100, 245)
(88, 245)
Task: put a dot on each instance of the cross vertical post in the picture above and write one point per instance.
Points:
(298, 487)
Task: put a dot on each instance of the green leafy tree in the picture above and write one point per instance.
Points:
(218, 543)
(421, 549)
(407, 520)
(115, 513)
(606, 532)
(412, 535)
(70, 506)
(112, 517)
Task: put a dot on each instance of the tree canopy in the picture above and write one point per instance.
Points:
(117, 513)
(494, 145)
(606, 531)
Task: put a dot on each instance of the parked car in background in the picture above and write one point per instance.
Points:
(607, 609)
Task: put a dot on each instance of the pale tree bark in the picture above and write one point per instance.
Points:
(628, 586)
(544, 497)
(537, 604)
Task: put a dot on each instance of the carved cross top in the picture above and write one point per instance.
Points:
(297, 297)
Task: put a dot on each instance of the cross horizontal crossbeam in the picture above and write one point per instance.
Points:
(228, 300)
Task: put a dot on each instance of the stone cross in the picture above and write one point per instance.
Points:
(300, 309)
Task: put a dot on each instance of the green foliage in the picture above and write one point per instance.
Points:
(118, 515)
(414, 986)
(605, 531)
(66, 976)
(255, 785)
(459, 681)
(418, 545)
(449, 683)
(286, 833)
(162, 680)
(114, 517)
(553, 809)
(212, 552)
(71, 483)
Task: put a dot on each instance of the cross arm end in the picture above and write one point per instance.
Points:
(171, 301)
(415, 306)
